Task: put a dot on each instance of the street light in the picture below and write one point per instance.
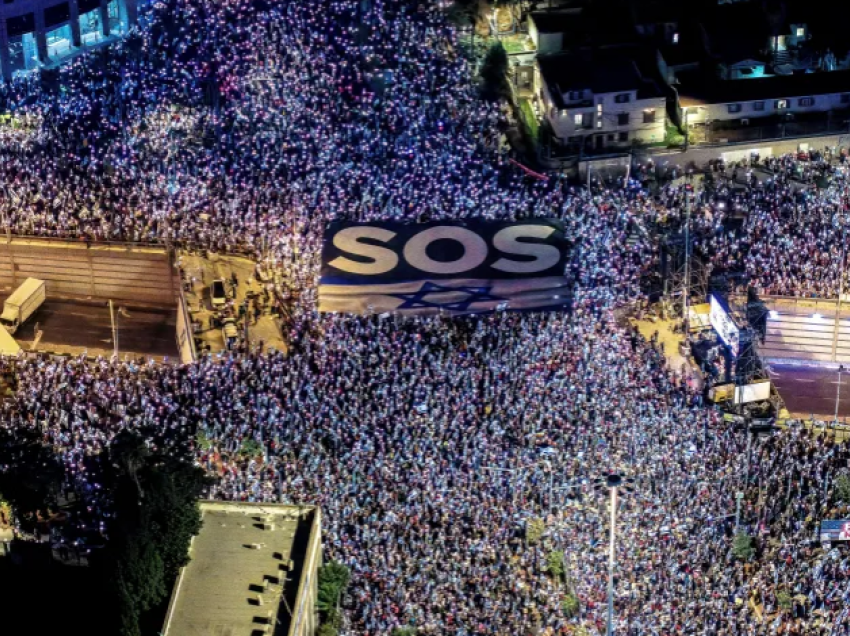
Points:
(837, 396)
(516, 471)
(613, 482)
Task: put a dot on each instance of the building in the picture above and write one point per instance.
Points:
(705, 101)
(253, 570)
(596, 100)
(38, 33)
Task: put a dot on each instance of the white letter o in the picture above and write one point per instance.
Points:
(475, 250)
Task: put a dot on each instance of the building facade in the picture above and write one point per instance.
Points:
(599, 105)
(40, 33)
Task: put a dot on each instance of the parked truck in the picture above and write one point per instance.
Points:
(23, 303)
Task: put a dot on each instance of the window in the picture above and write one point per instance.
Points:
(649, 116)
(806, 101)
(675, 38)
(623, 136)
(733, 108)
(623, 119)
(781, 103)
(622, 98)
(801, 32)
(577, 119)
(758, 105)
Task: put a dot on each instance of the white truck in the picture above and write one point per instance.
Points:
(22, 303)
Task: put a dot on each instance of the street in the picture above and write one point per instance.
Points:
(808, 390)
(71, 326)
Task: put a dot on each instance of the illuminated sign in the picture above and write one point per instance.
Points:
(724, 326)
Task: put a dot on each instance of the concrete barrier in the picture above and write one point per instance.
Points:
(72, 269)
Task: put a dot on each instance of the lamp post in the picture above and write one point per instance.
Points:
(517, 471)
(613, 482)
(837, 397)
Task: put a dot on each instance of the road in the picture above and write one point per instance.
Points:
(86, 325)
(808, 390)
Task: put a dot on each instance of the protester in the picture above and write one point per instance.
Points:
(429, 443)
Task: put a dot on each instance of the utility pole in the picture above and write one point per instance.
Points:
(739, 496)
(611, 556)
(686, 283)
(114, 330)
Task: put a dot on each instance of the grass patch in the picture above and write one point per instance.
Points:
(529, 120)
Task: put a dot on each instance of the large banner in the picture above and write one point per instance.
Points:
(452, 267)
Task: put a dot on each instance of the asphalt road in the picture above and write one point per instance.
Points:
(66, 323)
(808, 390)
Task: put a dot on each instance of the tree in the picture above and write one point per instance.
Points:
(333, 579)
(842, 488)
(555, 564)
(128, 453)
(534, 529)
(570, 605)
(156, 515)
(783, 600)
(742, 546)
(251, 447)
(327, 630)
(30, 474)
(407, 630)
(494, 73)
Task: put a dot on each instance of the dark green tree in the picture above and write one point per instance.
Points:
(156, 515)
(333, 579)
(742, 546)
(494, 73)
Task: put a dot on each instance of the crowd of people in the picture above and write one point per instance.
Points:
(430, 444)
(777, 224)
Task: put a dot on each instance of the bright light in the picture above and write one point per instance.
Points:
(817, 316)
(773, 314)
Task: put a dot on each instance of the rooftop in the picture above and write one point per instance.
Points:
(240, 573)
(601, 71)
(694, 89)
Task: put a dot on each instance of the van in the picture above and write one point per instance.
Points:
(23, 303)
(218, 295)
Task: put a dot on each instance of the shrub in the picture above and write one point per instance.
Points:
(555, 564)
(742, 547)
(842, 488)
(534, 530)
(783, 600)
(570, 605)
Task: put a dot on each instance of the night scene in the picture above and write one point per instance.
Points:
(424, 317)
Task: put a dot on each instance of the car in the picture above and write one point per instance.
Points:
(229, 332)
(218, 295)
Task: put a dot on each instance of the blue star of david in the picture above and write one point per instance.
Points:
(417, 300)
